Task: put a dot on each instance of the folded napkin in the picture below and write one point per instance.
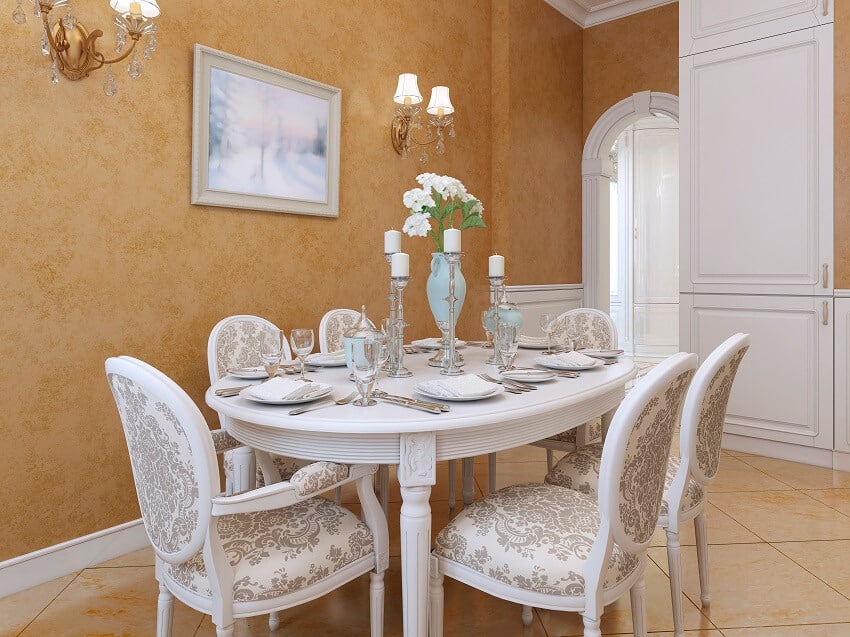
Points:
(323, 358)
(532, 341)
(435, 342)
(459, 387)
(283, 389)
(568, 359)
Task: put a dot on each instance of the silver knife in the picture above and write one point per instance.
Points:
(324, 402)
(412, 405)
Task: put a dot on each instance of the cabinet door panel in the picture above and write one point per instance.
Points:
(712, 24)
(842, 374)
(783, 390)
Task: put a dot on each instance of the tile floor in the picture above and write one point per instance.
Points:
(780, 542)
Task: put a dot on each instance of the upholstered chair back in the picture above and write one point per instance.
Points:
(704, 413)
(634, 458)
(591, 328)
(333, 326)
(235, 342)
(171, 454)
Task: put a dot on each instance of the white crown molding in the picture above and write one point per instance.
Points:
(613, 10)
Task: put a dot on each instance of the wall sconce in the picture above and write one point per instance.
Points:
(407, 120)
(73, 49)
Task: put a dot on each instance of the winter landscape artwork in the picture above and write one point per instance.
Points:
(263, 138)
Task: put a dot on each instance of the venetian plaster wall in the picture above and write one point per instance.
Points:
(842, 149)
(103, 254)
(536, 70)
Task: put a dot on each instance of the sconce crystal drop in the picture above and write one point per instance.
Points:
(18, 14)
(110, 86)
(134, 68)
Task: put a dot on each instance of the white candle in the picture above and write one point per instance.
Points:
(451, 240)
(392, 241)
(497, 265)
(400, 264)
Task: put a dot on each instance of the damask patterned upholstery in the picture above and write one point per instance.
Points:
(591, 328)
(285, 466)
(281, 551)
(318, 476)
(333, 326)
(535, 537)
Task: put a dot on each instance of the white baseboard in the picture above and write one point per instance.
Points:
(38, 567)
(781, 450)
(840, 461)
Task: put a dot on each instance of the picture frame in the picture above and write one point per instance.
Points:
(262, 138)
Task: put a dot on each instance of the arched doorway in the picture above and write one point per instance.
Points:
(597, 169)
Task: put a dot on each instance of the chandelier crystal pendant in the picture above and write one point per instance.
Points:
(407, 118)
(73, 49)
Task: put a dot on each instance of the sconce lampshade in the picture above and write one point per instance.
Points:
(150, 9)
(407, 88)
(440, 99)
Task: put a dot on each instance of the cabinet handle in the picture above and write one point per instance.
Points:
(826, 312)
(825, 276)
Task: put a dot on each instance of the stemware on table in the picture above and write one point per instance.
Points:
(547, 325)
(271, 350)
(301, 339)
(508, 341)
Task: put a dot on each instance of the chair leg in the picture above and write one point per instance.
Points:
(338, 496)
(383, 479)
(224, 632)
(274, 620)
(468, 490)
(591, 627)
(702, 558)
(376, 603)
(164, 612)
(674, 564)
(491, 468)
(244, 470)
(638, 597)
(452, 482)
(550, 460)
(527, 615)
(436, 596)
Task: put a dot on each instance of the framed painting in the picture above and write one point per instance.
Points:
(262, 138)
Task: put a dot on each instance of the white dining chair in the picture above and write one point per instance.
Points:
(545, 546)
(247, 554)
(688, 476)
(235, 342)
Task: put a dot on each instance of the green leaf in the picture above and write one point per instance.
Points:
(473, 221)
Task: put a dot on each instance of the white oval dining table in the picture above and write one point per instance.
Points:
(415, 440)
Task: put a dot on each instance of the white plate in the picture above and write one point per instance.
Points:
(547, 361)
(436, 343)
(529, 375)
(318, 360)
(498, 389)
(531, 345)
(248, 373)
(325, 390)
(605, 354)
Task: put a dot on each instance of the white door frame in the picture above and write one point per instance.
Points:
(596, 172)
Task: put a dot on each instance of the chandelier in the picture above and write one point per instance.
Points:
(73, 49)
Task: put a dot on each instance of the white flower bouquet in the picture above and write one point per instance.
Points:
(439, 198)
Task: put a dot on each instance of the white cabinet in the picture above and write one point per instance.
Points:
(842, 375)
(784, 389)
(713, 24)
(756, 167)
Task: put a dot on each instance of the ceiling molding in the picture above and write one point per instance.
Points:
(578, 11)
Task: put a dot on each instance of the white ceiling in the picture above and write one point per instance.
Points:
(587, 13)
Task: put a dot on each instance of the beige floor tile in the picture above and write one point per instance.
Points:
(737, 475)
(800, 476)
(18, 610)
(732, 452)
(721, 530)
(617, 618)
(109, 601)
(783, 516)
(824, 559)
(142, 557)
(822, 630)
(756, 585)
(838, 499)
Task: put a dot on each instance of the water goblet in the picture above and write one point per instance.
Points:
(301, 339)
(487, 324)
(508, 343)
(271, 349)
(365, 359)
(548, 326)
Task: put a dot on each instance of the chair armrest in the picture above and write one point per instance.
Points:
(223, 441)
(281, 494)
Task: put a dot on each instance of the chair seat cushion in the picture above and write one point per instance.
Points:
(286, 466)
(534, 536)
(280, 551)
(593, 431)
(579, 470)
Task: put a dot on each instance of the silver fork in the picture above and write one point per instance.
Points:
(324, 403)
(508, 383)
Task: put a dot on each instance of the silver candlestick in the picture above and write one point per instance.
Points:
(397, 368)
(391, 361)
(449, 365)
(497, 287)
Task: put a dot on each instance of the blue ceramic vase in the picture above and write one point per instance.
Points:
(438, 288)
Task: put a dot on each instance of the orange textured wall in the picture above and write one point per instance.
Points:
(104, 255)
(636, 53)
(537, 142)
(842, 150)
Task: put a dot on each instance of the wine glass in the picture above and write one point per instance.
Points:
(487, 324)
(548, 326)
(301, 339)
(271, 349)
(508, 344)
(366, 355)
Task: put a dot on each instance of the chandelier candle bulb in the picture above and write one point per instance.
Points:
(392, 241)
(497, 265)
(400, 265)
(135, 9)
(451, 240)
